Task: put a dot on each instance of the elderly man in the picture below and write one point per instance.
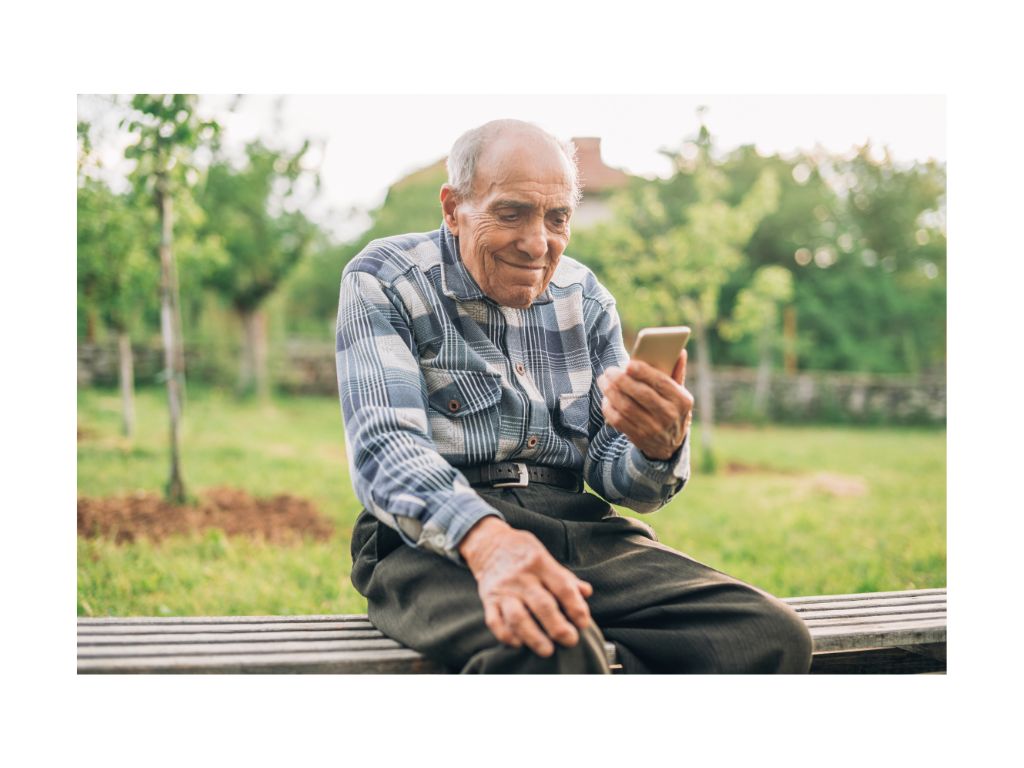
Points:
(483, 378)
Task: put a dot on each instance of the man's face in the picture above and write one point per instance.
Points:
(516, 226)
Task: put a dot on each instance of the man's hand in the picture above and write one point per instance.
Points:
(651, 409)
(521, 584)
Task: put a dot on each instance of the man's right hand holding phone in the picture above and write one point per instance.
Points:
(648, 406)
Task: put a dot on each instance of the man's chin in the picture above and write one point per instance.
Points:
(518, 298)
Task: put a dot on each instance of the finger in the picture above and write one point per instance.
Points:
(667, 387)
(544, 608)
(679, 372)
(494, 621)
(611, 416)
(570, 593)
(639, 418)
(609, 377)
(650, 443)
(525, 628)
(675, 397)
(650, 398)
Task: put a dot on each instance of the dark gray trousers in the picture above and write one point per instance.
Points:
(664, 611)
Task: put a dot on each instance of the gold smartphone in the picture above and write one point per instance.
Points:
(660, 347)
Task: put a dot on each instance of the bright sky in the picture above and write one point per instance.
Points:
(371, 141)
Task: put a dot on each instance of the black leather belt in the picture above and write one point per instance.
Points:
(518, 474)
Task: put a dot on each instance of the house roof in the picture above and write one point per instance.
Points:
(595, 176)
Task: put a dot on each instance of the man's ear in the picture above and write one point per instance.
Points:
(449, 207)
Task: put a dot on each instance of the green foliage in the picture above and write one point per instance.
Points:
(863, 238)
(168, 132)
(757, 307)
(865, 242)
(674, 244)
(254, 213)
(117, 274)
(410, 206)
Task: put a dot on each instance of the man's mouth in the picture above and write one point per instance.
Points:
(524, 267)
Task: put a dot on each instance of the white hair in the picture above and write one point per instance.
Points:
(466, 151)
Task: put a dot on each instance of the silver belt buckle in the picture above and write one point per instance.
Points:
(522, 482)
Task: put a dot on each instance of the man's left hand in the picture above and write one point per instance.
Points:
(651, 409)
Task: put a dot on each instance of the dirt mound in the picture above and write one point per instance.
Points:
(737, 468)
(281, 519)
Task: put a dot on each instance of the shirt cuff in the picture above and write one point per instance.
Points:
(450, 523)
(675, 470)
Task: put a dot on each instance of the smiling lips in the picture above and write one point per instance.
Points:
(521, 266)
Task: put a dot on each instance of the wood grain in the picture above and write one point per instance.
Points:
(856, 633)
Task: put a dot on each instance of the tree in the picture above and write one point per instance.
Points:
(757, 313)
(168, 133)
(253, 211)
(674, 245)
(864, 239)
(115, 274)
(411, 205)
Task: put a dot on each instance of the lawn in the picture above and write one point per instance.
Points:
(794, 510)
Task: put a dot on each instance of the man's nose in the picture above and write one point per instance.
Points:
(533, 239)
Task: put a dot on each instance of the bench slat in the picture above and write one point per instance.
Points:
(886, 611)
(907, 593)
(227, 637)
(876, 636)
(322, 626)
(336, 662)
(851, 605)
(88, 621)
(223, 649)
(839, 621)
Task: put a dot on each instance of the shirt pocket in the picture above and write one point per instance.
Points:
(574, 413)
(464, 414)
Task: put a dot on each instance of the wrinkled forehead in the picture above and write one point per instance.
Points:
(523, 160)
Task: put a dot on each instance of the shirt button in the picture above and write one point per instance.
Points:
(520, 369)
(532, 442)
(453, 405)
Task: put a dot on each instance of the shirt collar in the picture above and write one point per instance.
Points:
(456, 282)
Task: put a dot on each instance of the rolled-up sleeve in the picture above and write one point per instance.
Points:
(397, 472)
(614, 467)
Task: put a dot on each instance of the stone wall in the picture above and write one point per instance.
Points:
(308, 368)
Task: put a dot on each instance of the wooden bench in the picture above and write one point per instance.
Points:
(881, 632)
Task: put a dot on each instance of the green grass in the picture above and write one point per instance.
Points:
(818, 510)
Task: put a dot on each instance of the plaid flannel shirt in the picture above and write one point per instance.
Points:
(433, 376)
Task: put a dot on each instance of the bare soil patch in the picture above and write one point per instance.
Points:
(834, 484)
(828, 483)
(281, 519)
(738, 468)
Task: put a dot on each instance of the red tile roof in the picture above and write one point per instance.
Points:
(594, 174)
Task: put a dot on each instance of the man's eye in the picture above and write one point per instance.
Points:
(509, 217)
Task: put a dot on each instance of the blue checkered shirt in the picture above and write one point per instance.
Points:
(434, 376)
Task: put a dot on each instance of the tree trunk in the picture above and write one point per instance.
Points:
(252, 373)
(127, 376)
(705, 402)
(179, 335)
(789, 335)
(168, 302)
(762, 384)
(90, 325)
